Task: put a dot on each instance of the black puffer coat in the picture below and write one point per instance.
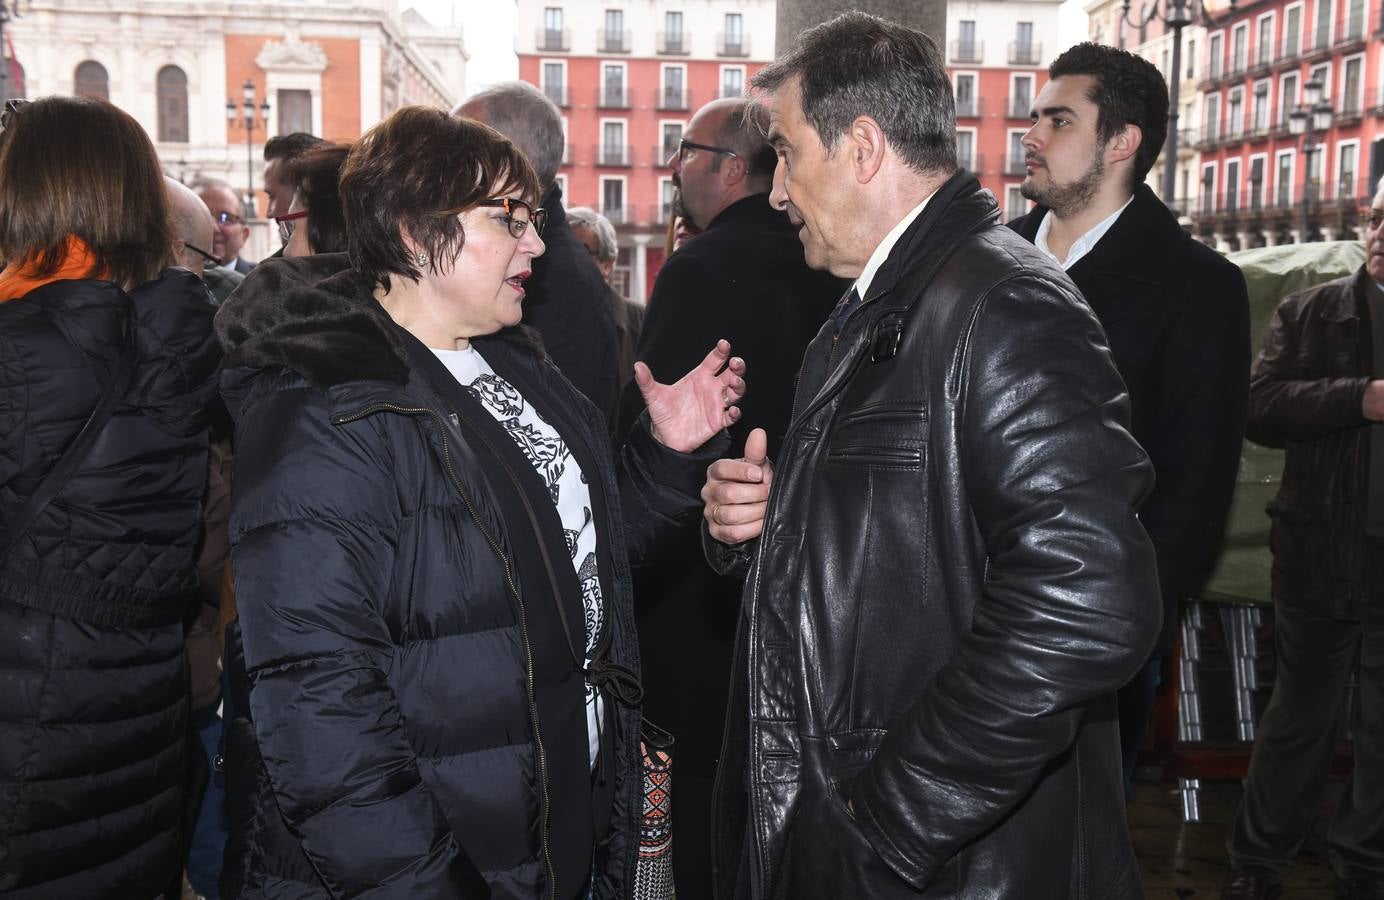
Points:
(93, 687)
(417, 724)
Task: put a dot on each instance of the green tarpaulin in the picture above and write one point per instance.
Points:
(1272, 273)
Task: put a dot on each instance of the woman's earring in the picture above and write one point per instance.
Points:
(421, 258)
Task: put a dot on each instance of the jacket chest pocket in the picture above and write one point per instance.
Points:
(880, 436)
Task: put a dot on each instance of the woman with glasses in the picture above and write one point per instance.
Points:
(432, 550)
(107, 362)
(313, 222)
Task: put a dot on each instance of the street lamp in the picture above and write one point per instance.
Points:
(247, 114)
(1177, 15)
(1311, 118)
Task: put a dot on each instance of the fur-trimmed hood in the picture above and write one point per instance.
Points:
(315, 316)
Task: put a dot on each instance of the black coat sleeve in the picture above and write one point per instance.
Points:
(1069, 605)
(1287, 403)
(314, 523)
(660, 488)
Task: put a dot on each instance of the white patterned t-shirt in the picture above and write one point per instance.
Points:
(552, 459)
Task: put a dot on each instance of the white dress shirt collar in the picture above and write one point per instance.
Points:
(1082, 245)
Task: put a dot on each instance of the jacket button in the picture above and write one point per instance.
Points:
(218, 763)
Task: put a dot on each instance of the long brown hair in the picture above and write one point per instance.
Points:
(76, 166)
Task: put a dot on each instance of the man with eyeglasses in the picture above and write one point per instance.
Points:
(231, 231)
(744, 277)
(193, 233)
(1317, 391)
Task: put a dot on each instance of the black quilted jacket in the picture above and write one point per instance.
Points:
(416, 725)
(93, 688)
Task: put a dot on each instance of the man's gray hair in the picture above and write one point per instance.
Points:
(525, 115)
(861, 65)
(586, 217)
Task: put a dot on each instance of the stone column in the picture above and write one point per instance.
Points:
(639, 277)
(928, 16)
(1270, 237)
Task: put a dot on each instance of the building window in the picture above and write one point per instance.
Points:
(1256, 183)
(1287, 98)
(1355, 21)
(1352, 82)
(1260, 110)
(1263, 51)
(674, 94)
(672, 33)
(1321, 34)
(672, 136)
(553, 35)
(1292, 32)
(1239, 48)
(1021, 96)
(1232, 186)
(555, 82)
(733, 38)
(965, 149)
(613, 35)
(172, 111)
(1014, 203)
(1024, 52)
(1208, 188)
(613, 151)
(1283, 181)
(1235, 114)
(967, 49)
(1191, 60)
(295, 111)
(1347, 158)
(613, 199)
(613, 86)
(91, 80)
(1214, 56)
(732, 81)
(966, 103)
(666, 191)
(1213, 119)
(1014, 160)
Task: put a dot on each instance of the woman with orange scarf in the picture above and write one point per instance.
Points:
(107, 363)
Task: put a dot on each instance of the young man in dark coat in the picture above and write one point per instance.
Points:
(745, 278)
(1176, 314)
(566, 299)
(949, 581)
(1317, 390)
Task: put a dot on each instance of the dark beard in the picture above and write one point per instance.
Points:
(1066, 200)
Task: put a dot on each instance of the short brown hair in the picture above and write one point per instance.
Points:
(409, 168)
(80, 166)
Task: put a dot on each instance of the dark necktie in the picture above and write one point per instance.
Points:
(843, 312)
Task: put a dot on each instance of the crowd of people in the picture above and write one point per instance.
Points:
(368, 570)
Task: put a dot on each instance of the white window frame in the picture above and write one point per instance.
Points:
(601, 182)
(561, 182)
(975, 88)
(566, 144)
(1201, 185)
(663, 68)
(664, 181)
(1242, 27)
(624, 66)
(1345, 60)
(1230, 103)
(1330, 19)
(1285, 103)
(1336, 179)
(974, 149)
(1291, 153)
(1009, 212)
(1009, 144)
(543, 64)
(1214, 39)
(1273, 37)
(662, 123)
(624, 123)
(721, 77)
(1268, 102)
(1238, 180)
(1031, 77)
(1301, 7)
(1263, 185)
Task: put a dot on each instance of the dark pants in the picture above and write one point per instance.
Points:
(1297, 738)
(1136, 709)
(209, 835)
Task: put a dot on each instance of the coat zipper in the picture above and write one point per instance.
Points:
(509, 578)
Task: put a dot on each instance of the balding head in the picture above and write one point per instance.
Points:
(524, 114)
(192, 224)
(741, 165)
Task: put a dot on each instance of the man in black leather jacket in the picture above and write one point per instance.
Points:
(947, 579)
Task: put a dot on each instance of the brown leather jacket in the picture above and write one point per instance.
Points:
(1305, 396)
